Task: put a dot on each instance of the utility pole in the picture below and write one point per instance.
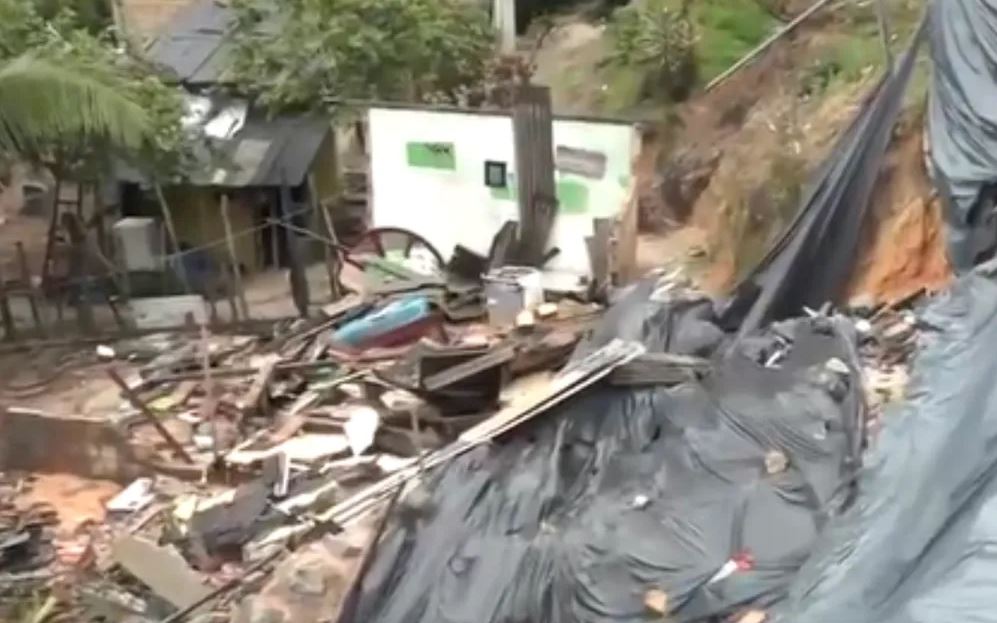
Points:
(504, 20)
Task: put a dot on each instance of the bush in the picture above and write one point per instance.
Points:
(661, 40)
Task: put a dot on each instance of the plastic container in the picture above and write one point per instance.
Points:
(377, 328)
(510, 290)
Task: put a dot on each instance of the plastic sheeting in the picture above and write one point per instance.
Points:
(963, 123)
(812, 261)
(918, 545)
(574, 517)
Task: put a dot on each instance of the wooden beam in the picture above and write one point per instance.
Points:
(149, 416)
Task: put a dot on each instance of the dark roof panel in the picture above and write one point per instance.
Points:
(268, 152)
(193, 46)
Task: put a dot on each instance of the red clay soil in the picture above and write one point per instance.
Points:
(905, 250)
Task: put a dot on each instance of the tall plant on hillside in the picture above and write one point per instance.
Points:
(655, 35)
(297, 53)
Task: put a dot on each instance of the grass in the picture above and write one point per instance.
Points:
(727, 30)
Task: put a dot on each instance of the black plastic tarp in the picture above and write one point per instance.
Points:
(813, 260)
(963, 123)
(920, 543)
(712, 491)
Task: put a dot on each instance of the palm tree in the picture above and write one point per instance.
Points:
(46, 103)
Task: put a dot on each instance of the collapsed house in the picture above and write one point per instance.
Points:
(671, 457)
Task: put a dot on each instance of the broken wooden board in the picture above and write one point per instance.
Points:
(659, 369)
(577, 377)
(491, 359)
(256, 401)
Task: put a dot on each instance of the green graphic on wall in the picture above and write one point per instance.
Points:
(572, 197)
(441, 156)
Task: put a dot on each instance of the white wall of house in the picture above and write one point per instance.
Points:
(445, 198)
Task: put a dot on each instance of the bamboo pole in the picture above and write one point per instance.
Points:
(331, 254)
(234, 257)
(172, 231)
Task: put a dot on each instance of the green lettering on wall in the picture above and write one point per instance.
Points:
(572, 197)
(442, 156)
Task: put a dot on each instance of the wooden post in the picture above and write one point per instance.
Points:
(234, 257)
(79, 271)
(9, 327)
(299, 280)
(331, 253)
(149, 416)
(53, 226)
(532, 125)
(172, 230)
(33, 299)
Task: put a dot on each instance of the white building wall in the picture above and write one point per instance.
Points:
(452, 205)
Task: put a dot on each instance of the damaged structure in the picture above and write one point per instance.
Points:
(492, 423)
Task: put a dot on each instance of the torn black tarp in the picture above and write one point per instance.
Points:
(963, 123)
(918, 545)
(712, 491)
(814, 258)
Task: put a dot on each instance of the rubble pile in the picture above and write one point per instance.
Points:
(248, 445)
(274, 463)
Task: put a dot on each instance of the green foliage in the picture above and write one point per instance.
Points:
(42, 103)
(727, 30)
(659, 39)
(92, 15)
(296, 53)
(69, 96)
(678, 43)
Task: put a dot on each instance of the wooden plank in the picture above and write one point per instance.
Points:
(256, 401)
(491, 359)
(659, 369)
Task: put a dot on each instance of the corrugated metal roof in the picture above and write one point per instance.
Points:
(264, 152)
(268, 152)
(195, 47)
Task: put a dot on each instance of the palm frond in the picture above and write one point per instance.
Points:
(45, 103)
